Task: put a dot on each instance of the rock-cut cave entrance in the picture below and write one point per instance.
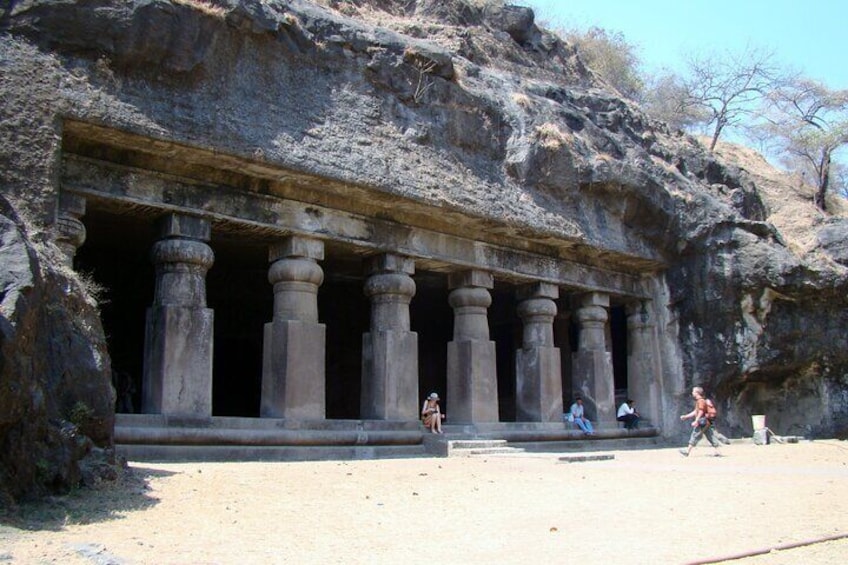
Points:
(116, 255)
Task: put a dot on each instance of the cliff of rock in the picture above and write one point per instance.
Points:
(462, 107)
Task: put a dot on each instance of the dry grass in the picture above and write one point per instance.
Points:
(208, 8)
(551, 137)
(521, 99)
(788, 200)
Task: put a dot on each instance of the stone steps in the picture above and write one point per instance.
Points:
(469, 448)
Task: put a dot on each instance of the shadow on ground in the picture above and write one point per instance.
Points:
(130, 492)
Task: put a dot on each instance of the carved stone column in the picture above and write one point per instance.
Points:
(293, 376)
(389, 349)
(537, 364)
(70, 230)
(472, 378)
(178, 338)
(593, 373)
(643, 361)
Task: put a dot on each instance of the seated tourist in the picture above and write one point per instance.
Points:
(576, 415)
(431, 414)
(628, 415)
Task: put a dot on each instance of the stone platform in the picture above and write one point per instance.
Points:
(146, 437)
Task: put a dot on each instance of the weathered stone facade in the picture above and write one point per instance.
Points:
(303, 218)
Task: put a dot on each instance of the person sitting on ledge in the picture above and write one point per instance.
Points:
(576, 415)
(628, 415)
(431, 414)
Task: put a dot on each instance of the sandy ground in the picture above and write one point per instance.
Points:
(645, 506)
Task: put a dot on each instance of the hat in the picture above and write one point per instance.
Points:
(433, 396)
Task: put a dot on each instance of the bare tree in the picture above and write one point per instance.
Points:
(839, 179)
(810, 124)
(729, 87)
(667, 98)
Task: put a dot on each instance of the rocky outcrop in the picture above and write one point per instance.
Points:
(57, 403)
(466, 109)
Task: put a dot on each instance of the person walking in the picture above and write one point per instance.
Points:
(702, 426)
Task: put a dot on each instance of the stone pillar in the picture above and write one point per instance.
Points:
(472, 379)
(538, 387)
(389, 349)
(593, 373)
(70, 230)
(293, 378)
(643, 362)
(562, 335)
(178, 338)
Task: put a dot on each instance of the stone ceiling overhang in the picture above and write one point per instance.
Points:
(128, 173)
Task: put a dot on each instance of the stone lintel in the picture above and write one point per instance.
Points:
(594, 299)
(390, 263)
(181, 225)
(471, 278)
(296, 246)
(72, 205)
(537, 290)
(286, 217)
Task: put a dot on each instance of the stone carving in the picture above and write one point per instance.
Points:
(495, 162)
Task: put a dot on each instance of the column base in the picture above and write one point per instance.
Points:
(593, 379)
(472, 394)
(178, 361)
(389, 375)
(538, 395)
(293, 376)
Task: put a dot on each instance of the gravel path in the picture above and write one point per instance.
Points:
(645, 506)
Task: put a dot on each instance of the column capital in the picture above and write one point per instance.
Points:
(183, 226)
(537, 290)
(296, 247)
(71, 205)
(390, 263)
(70, 231)
(639, 315)
(471, 278)
(593, 299)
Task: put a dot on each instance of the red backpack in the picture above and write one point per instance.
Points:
(710, 411)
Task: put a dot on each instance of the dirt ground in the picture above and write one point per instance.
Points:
(643, 506)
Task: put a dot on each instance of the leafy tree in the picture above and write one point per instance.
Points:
(610, 55)
(727, 88)
(809, 122)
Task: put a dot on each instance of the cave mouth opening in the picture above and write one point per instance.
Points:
(116, 256)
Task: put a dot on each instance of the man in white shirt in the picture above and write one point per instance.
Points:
(628, 415)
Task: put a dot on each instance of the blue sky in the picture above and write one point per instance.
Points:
(810, 36)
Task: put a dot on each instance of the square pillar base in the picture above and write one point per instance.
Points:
(593, 379)
(538, 386)
(389, 376)
(178, 361)
(293, 379)
(472, 394)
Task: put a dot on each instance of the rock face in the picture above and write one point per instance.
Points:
(461, 115)
(57, 403)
